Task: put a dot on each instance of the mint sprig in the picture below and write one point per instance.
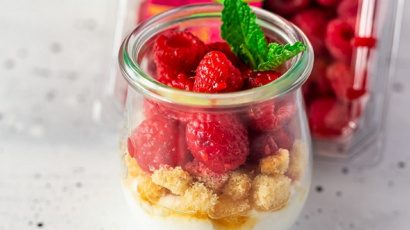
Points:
(278, 54)
(248, 41)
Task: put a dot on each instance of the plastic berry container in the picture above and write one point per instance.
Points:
(237, 160)
(353, 41)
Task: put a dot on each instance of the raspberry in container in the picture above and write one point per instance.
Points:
(216, 135)
(354, 47)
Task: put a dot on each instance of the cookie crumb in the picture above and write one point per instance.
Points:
(174, 179)
(198, 198)
(277, 163)
(148, 190)
(201, 173)
(238, 186)
(226, 207)
(270, 193)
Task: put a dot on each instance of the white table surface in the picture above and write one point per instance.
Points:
(59, 164)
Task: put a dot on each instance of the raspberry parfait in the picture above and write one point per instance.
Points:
(210, 142)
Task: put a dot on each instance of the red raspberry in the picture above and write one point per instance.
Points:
(339, 35)
(308, 91)
(341, 79)
(269, 117)
(286, 7)
(158, 141)
(202, 173)
(257, 79)
(182, 81)
(328, 2)
(165, 74)
(152, 108)
(224, 48)
(348, 8)
(313, 23)
(206, 116)
(262, 146)
(327, 117)
(284, 138)
(170, 77)
(178, 51)
(216, 74)
(318, 77)
(268, 143)
(221, 144)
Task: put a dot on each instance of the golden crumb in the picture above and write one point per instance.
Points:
(214, 183)
(201, 173)
(174, 179)
(149, 191)
(198, 198)
(277, 163)
(227, 207)
(297, 162)
(238, 186)
(270, 193)
(133, 169)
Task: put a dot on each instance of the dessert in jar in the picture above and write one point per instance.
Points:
(216, 132)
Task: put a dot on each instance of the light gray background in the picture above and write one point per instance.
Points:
(59, 164)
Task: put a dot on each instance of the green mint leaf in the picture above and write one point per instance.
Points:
(240, 30)
(247, 40)
(279, 54)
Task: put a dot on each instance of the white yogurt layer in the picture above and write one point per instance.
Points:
(156, 218)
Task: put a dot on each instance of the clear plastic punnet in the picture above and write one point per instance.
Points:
(211, 161)
(354, 44)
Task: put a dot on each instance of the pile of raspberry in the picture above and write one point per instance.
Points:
(330, 26)
(203, 142)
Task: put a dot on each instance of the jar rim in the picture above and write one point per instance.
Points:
(139, 80)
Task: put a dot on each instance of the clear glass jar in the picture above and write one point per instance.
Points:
(346, 93)
(238, 160)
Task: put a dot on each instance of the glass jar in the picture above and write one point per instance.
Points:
(346, 93)
(238, 160)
